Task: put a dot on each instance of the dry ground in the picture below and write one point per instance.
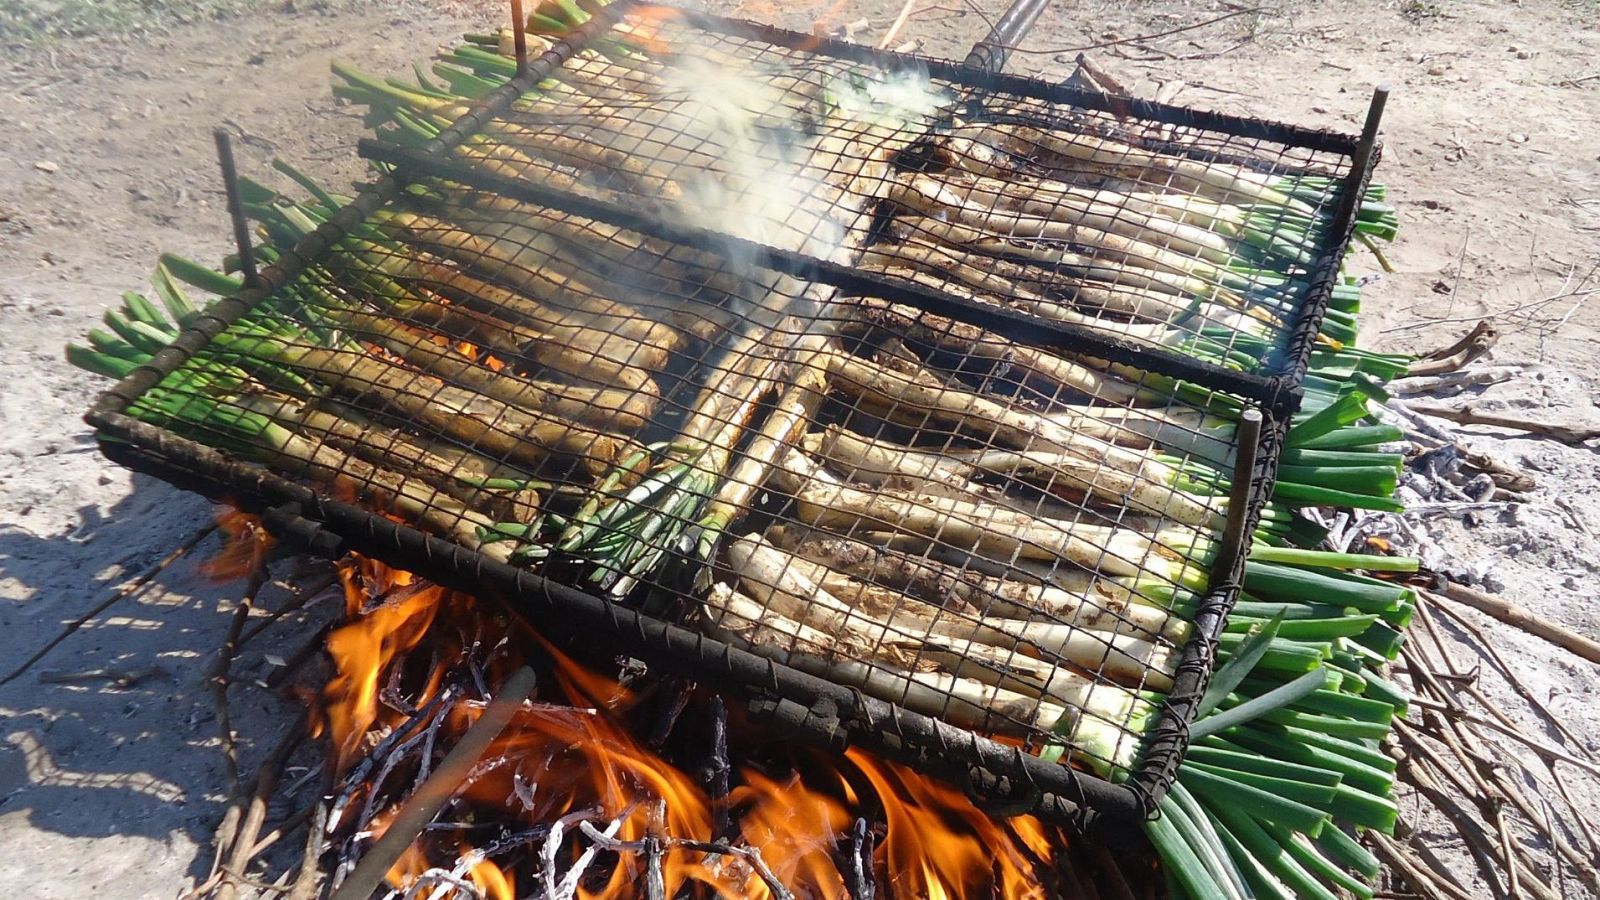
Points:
(1493, 156)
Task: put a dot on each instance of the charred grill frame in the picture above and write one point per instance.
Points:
(1008, 780)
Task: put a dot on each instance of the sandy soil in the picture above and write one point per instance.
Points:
(1491, 156)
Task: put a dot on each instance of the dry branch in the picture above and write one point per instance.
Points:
(1524, 618)
(1467, 415)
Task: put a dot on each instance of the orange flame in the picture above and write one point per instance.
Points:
(556, 760)
(364, 650)
(939, 845)
(493, 882)
(245, 544)
(793, 827)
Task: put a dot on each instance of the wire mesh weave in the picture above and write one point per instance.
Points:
(1008, 537)
(1167, 235)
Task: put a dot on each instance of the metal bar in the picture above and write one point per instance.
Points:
(1247, 438)
(1165, 113)
(1167, 740)
(519, 36)
(332, 528)
(1290, 361)
(1017, 326)
(425, 803)
(225, 312)
(991, 53)
(241, 228)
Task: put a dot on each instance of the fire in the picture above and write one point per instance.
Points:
(245, 545)
(364, 649)
(573, 758)
(492, 882)
(939, 845)
(794, 828)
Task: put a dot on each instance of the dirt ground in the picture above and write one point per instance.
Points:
(1492, 155)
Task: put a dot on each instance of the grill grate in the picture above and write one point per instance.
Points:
(942, 517)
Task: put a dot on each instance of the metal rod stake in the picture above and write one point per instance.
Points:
(991, 53)
(1247, 437)
(519, 36)
(241, 227)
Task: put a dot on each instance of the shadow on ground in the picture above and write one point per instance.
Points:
(114, 733)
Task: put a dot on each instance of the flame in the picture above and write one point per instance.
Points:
(579, 757)
(493, 882)
(364, 649)
(938, 844)
(793, 826)
(644, 24)
(245, 545)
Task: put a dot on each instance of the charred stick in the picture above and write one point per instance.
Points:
(717, 771)
(862, 882)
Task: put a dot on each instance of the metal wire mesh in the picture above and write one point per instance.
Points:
(1202, 242)
(1165, 235)
(768, 143)
(1008, 537)
(989, 533)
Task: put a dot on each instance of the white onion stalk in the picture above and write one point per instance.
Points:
(1035, 364)
(847, 567)
(791, 415)
(784, 583)
(1005, 279)
(1177, 556)
(1229, 183)
(877, 580)
(880, 463)
(1147, 482)
(963, 702)
(1111, 232)
(1204, 224)
(1091, 268)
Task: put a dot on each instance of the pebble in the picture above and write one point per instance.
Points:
(1436, 70)
(47, 167)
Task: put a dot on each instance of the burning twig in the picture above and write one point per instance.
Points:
(748, 854)
(567, 887)
(430, 797)
(715, 774)
(861, 884)
(356, 779)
